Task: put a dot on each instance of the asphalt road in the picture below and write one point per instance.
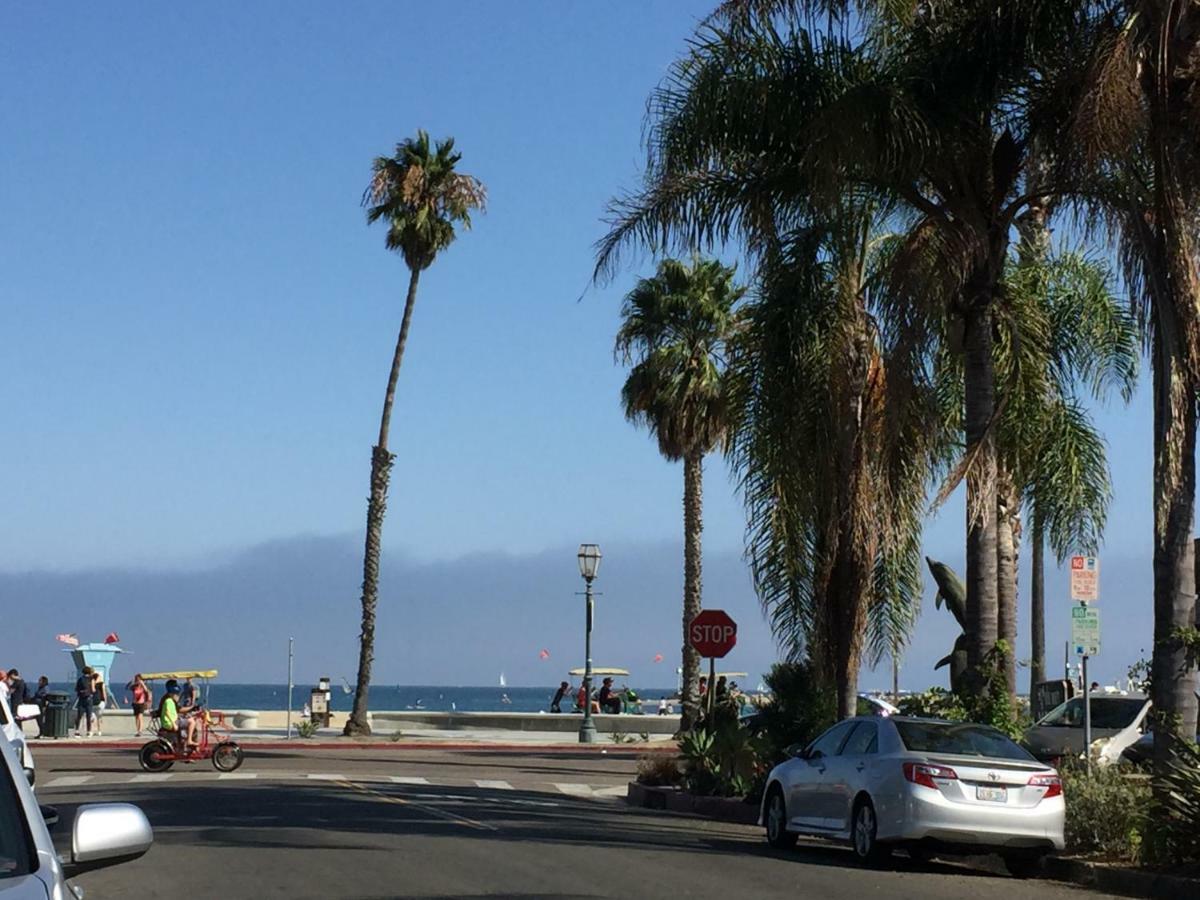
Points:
(376, 824)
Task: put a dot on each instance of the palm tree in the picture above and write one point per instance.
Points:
(422, 198)
(674, 331)
(1125, 92)
(835, 434)
(925, 110)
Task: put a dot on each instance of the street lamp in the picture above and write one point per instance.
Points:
(589, 565)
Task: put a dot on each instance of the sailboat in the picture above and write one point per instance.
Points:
(346, 689)
(503, 681)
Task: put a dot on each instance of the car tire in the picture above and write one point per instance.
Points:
(1023, 865)
(227, 756)
(149, 755)
(775, 820)
(867, 848)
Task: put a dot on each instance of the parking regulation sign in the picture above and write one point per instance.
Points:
(1085, 630)
(1085, 579)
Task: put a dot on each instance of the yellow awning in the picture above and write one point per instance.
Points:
(184, 673)
(599, 670)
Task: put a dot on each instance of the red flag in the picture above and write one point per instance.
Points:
(67, 639)
(111, 638)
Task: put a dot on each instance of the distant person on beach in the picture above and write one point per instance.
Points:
(664, 708)
(556, 703)
(609, 701)
(84, 690)
(142, 699)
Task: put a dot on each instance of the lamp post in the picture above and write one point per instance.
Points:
(589, 565)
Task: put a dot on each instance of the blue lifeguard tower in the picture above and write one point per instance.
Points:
(99, 656)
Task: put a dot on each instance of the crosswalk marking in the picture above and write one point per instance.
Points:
(494, 785)
(619, 790)
(325, 776)
(67, 781)
(156, 776)
(408, 779)
(575, 790)
(236, 776)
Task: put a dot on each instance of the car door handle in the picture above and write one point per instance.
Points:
(861, 766)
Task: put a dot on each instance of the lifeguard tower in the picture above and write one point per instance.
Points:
(99, 656)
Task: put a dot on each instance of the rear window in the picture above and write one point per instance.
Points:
(965, 739)
(1107, 712)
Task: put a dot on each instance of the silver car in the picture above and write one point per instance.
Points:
(922, 784)
(103, 834)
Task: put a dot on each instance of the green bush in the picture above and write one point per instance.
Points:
(728, 761)
(935, 703)
(802, 705)
(1174, 829)
(659, 769)
(1106, 811)
(307, 728)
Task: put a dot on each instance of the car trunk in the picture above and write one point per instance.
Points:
(990, 783)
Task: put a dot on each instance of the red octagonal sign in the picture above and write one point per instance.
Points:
(712, 633)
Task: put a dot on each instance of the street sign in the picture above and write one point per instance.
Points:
(1085, 630)
(1085, 579)
(712, 633)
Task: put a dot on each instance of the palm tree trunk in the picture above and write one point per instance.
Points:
(693, 525)
(381, 468)
(1007, 527)
(1172, 672)
(980, 396)
(1037, 607)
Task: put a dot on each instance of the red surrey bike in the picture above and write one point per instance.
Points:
(161, 753)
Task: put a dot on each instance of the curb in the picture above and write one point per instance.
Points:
(304, 745)
(1128, 882)
(720, 809)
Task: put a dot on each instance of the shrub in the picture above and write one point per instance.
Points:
(728, 761)
(935, 703)
(1174, 829)
(1106, 811)
(307, 728)
(802, 706)
(659, 769)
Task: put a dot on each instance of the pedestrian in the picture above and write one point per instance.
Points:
(703, 686)
(722, 690)
(84, 691)
(663, 707)
(143, 698)
(556, 703)
(18, 691)
(39, 697)
(187, 693)
(99, 699)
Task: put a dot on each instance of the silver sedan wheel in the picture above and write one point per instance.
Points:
(864, 832)
(775, 823)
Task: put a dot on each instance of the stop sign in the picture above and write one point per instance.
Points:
(712, 633)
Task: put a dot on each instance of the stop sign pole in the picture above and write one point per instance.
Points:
(713, 634)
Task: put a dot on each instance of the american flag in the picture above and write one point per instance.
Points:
(69, 639)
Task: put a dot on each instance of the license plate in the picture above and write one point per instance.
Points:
(994, 794)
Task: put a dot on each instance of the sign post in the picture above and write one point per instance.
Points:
(712, 634)
(1085, 633)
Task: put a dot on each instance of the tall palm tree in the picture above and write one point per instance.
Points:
(674, 331)
(834, 437)
(421, 197)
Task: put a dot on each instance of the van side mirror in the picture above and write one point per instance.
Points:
(106, 834)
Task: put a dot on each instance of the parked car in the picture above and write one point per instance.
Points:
(103, 834)
(1141, 751)
(1117, 719)
(922, 784)
(12, 731)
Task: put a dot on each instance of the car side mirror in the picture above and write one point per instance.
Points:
(106, 834)
(795, 751)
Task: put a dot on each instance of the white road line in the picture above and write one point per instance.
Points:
(236, 776)
(408, 779)
(574, 790)
(493, 785)
(67, 781)
(325, 776)
(155, 776)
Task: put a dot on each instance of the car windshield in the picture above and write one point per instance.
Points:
(16, 857)
(1107, 712)
(964, 739)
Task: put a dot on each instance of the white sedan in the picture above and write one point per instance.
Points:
(921, 784)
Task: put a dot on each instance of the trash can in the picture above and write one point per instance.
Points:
(56, 716)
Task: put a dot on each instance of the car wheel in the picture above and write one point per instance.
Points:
(775, 820)
(151, 756)
(1023, 865)
(867, 849)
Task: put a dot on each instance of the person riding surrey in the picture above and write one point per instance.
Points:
(609, 701)
(187, 693)
(172, 718)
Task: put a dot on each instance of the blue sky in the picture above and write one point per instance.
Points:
(197, 322)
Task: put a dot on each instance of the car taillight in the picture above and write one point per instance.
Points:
(1052, 784)
(924, 774)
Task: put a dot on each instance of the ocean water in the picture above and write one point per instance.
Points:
(438, 698)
